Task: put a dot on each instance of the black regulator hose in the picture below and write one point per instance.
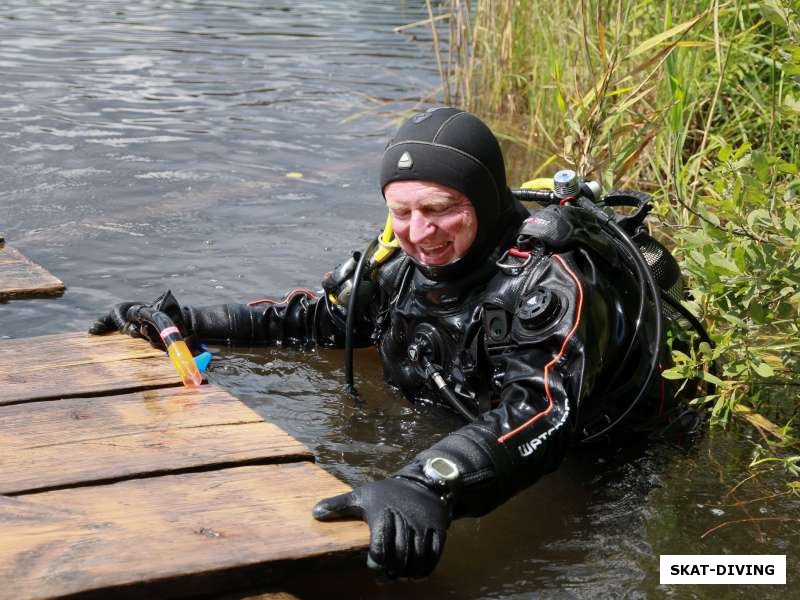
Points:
(352, 304)
(644, 273)
(441, 385)
(686, 314)
(541, 196)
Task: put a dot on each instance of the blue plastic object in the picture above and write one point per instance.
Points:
(202, 360)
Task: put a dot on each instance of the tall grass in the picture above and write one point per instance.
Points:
(597, 83)
(697, 102)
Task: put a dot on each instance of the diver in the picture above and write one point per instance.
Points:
(543, 329)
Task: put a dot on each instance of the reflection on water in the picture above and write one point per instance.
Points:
(146, 145)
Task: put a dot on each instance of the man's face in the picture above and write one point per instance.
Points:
(433, 223)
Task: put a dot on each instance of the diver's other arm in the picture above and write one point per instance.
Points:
(407, 521)
(468, 473)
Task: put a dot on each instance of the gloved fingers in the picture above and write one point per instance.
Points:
(424, 552)
(131, 329)
(120, 313)
(103, 325)
(419, 553)
(436, 547)
(337, 507)
(401, 546)
(115, 320)
(381, 541)
(151, 334)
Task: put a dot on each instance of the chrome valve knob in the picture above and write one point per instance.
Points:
(566, 184)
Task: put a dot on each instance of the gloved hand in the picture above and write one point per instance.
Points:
(117, 319)
(407, 522)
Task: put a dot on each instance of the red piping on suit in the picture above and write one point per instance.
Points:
(550, 403)
(289, 296)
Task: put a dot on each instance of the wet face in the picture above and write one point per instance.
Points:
(434, 224)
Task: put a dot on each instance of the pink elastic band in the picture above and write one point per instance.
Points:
(165, 332)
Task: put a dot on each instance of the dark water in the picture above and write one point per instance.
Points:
(146, 146)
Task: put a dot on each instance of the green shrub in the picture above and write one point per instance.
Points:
(743, 262)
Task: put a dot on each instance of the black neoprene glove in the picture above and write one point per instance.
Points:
(407, 521)
(117, 319)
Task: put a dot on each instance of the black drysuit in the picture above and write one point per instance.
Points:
(529, 343)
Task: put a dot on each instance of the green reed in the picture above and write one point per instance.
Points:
(697, 102)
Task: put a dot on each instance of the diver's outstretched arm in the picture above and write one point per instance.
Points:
(302, 318)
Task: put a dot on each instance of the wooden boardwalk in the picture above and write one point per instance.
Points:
(22, 278)
(115, 481)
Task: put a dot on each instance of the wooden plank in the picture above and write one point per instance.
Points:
(64, 443)
(78, 364)
(23, 278)
(169, 536)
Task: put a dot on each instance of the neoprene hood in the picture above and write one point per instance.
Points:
(454, 148)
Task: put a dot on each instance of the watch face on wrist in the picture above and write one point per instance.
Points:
(441, 469)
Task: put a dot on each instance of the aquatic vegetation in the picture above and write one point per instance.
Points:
(697, 102)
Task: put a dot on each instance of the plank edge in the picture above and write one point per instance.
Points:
(227, 580)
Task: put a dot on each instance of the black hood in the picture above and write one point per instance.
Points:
(454, 148)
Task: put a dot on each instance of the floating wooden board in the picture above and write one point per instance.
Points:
(66, 443)
(78, 364)
(167, 536)
(23, 278)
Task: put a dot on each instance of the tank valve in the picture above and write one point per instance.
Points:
(566, 184)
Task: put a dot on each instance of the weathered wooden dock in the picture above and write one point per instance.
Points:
(115, 481)
(22, 278)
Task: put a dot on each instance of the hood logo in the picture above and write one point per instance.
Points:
(405, 162)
